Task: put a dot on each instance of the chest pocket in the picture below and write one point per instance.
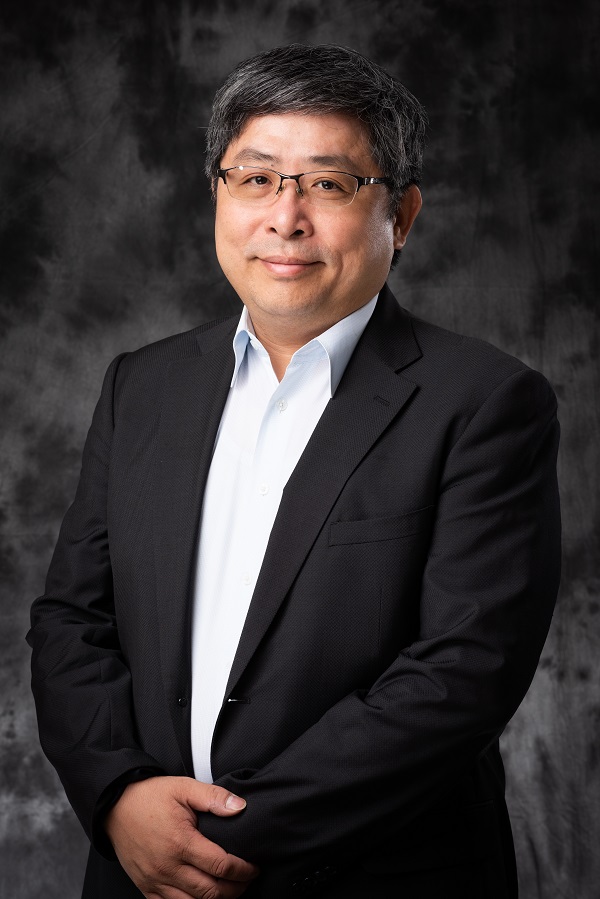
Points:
(371, 530)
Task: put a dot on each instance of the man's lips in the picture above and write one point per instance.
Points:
(286, 265)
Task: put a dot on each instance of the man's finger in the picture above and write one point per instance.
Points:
(186, 882)
(210, 858)
(211, 798)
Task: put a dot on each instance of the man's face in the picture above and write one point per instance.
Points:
(295, 264)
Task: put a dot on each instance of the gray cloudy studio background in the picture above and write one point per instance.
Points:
(106, 230)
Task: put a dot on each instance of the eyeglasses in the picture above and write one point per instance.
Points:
(262, 186)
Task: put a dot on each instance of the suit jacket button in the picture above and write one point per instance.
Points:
(182, 702)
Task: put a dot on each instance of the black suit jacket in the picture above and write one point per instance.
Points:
(401, 608)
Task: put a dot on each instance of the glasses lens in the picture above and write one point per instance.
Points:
(248, 183)
(329, 187)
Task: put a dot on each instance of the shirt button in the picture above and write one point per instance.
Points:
(263, 489)
(246, 579)
(282, 405)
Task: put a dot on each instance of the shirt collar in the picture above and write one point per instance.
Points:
(339, 341)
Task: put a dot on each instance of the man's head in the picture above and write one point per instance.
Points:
(305, 251)
(318, 80)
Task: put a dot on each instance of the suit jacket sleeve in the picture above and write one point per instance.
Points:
(379, 758)
(80, 679)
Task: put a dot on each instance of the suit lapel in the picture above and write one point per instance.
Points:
(369, 397)
(193, 400)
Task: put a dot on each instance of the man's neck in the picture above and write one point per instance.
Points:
(282, 336)
(280, 353)
(282, 341)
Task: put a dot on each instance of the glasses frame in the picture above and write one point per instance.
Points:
(361, 181)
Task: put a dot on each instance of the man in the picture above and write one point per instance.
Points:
(313, 555)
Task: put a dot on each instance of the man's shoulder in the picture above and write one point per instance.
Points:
(138, 377)
(183, 345)
(460, 373)
(459, 356)
(431, 354)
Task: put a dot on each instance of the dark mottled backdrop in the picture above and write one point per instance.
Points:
(106, 244)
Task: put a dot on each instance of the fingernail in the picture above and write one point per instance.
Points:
(235, 802)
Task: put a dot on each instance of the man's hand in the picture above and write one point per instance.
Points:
(153, 829)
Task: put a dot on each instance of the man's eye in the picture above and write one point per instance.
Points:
(326, 185)
(253, 180)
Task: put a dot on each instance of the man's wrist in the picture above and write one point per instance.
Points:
(108, 798)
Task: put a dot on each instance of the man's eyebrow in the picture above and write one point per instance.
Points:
(251, 154)
(337, 160)
(334, 161)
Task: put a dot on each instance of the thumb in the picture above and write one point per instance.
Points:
(214, 799)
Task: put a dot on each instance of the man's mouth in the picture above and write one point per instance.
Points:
(288, 266)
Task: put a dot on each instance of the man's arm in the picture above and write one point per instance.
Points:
(80, 680)
(378, 759)
(82, 688)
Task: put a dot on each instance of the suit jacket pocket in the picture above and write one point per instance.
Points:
(370, 530)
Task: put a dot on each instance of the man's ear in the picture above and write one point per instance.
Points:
(408, 210)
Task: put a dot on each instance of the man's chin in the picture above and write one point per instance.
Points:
(281, 302)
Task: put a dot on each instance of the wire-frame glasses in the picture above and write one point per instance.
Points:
(324, 188)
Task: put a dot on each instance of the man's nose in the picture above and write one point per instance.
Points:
(289, 214)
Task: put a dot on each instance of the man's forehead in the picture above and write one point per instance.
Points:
(255, 155)
(325, 140)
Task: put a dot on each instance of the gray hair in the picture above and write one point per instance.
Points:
(324, 79)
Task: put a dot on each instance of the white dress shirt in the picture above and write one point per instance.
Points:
(264, 429)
